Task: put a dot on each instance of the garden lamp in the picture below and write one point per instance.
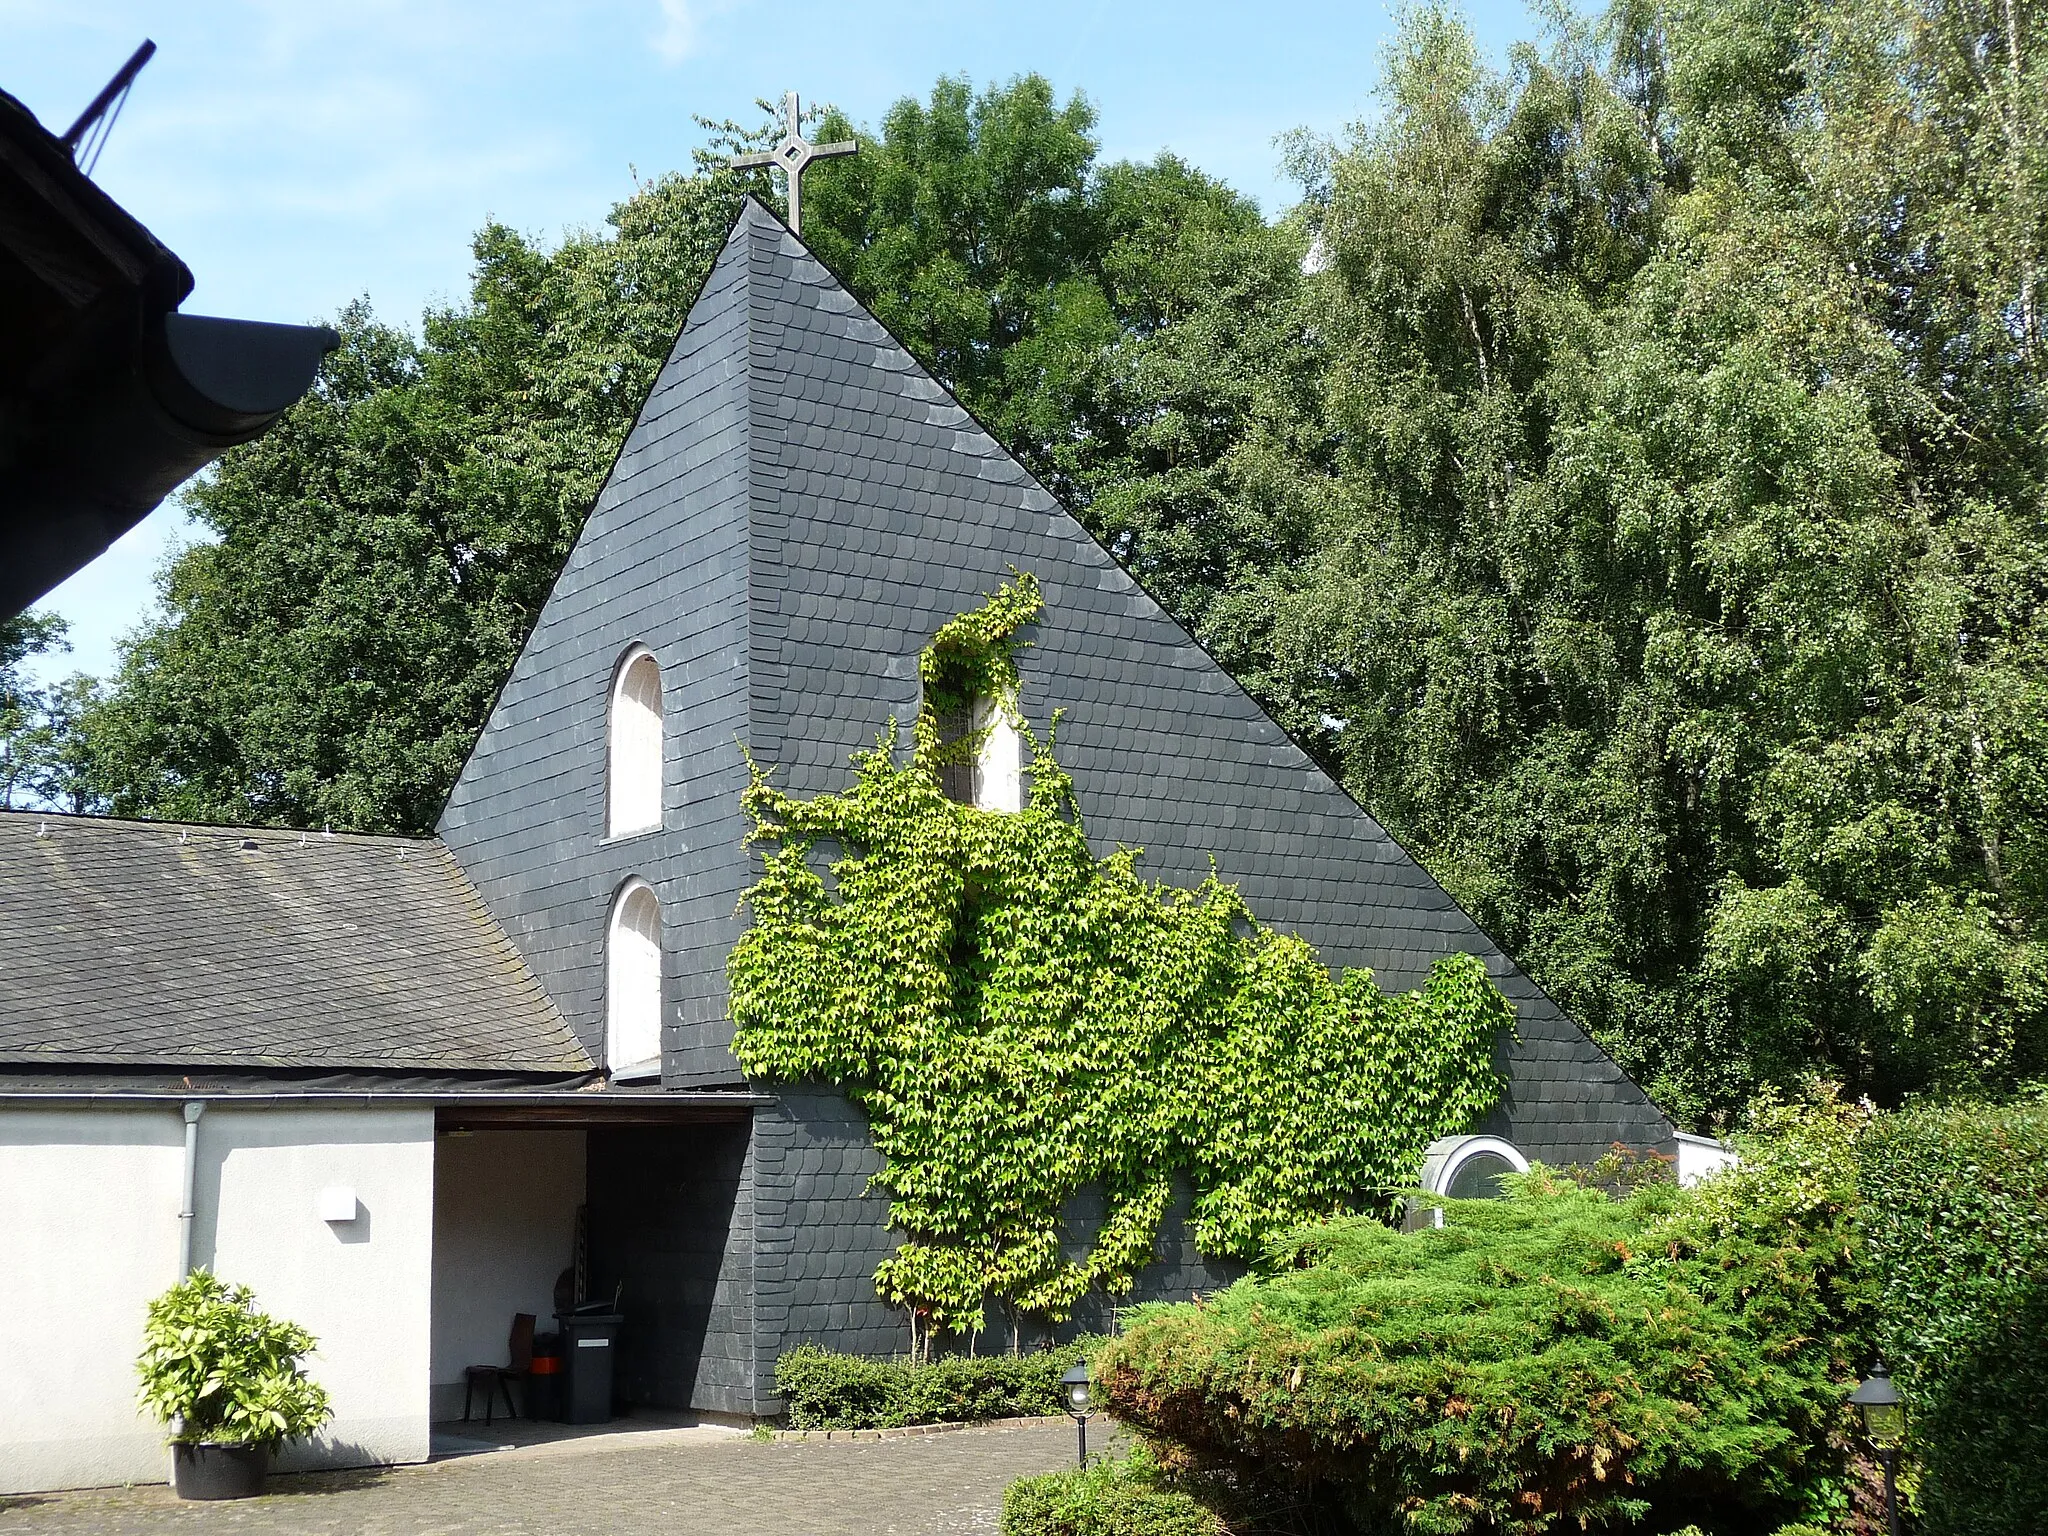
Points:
(1877, 1404)
(1080, 1400)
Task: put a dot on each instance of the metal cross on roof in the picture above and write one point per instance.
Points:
(793, 154)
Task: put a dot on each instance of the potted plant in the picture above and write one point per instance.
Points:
(229, 1382)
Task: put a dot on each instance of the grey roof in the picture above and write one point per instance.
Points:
(797, 510)
(149, 944)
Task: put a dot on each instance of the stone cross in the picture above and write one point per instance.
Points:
(793, 154)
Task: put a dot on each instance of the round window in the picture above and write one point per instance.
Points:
(1478, 1177)
(1470, 1167)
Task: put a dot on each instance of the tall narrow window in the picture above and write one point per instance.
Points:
(634, 792)
(993, 777)
(632, 1035)
(956, 773)
(999, 765)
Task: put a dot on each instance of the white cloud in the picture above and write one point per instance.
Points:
(682, 26)
(677, 38)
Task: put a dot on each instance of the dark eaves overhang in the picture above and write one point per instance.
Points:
(458, 1110)
(109, 398)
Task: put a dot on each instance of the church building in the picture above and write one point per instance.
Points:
(399, 1086)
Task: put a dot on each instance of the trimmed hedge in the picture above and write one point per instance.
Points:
(1111, 1498)
(1955, 1219)
(825, 1390)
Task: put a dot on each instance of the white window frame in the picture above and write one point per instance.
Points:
(636, 749)
(999, 765)
(633, 984)
(1447, 1155)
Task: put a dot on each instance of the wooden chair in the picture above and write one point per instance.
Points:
(499, 1377)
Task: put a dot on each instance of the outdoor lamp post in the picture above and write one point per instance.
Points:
(1884, 1424)
(1079, 1401)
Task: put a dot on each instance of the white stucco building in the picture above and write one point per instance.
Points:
(377, 1117)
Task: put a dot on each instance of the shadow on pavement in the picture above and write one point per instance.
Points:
(453, 1438)
(345, 1481)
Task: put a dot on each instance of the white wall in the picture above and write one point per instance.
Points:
(1701, 1157)
(504, 1225)
(88, 1233)
(363, 1287)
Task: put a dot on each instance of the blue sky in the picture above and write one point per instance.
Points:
(299, 153)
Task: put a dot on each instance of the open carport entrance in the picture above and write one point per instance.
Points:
(643, 1188)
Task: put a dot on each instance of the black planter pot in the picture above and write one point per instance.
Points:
(207, 1470)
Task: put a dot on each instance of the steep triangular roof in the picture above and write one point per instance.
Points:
(796, 511)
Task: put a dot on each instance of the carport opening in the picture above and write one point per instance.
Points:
(532, 1217)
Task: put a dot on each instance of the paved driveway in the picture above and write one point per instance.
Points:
(674, 1483)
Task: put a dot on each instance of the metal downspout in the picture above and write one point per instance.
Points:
(193, 1110)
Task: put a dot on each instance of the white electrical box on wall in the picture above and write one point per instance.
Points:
(337, 1203)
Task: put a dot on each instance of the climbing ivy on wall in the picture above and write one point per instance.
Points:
(1021, 1020)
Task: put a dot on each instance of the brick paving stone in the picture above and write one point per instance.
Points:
(718, 1483)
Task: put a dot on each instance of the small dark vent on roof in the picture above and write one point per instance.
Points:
(248, 842)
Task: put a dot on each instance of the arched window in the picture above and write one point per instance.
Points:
(632, 1002)
(633, 803)
(994, 780)
(1470, 1167)
(999, 766)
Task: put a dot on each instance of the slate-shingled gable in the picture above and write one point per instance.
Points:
(662, 561)
(150, 944)
(792, 442)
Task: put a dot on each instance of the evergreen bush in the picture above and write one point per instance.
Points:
(826, 1390)
(1109, 1498)
(1955, 1212)
(1560, 1357)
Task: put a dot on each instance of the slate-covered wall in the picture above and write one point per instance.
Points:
(819, 1233)
(880, 509)
(797, 511)
(663, 561)
(1181, 1273)
(672, 1222)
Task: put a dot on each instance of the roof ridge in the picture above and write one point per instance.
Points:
(223, 828)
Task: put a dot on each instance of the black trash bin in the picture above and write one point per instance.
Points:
(544, 1381)
(589, 1340)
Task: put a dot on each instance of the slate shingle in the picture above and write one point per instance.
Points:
(150, 944)
(838, 507)
(1167, 753)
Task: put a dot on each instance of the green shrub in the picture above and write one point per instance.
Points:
(1560, 1358)
(825, 1390)
(1955, 1211)
(1110, 1498)
(216, 1369)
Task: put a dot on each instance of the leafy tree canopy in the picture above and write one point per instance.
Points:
(39, 725)
(1676, 591)
(1625, 471)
